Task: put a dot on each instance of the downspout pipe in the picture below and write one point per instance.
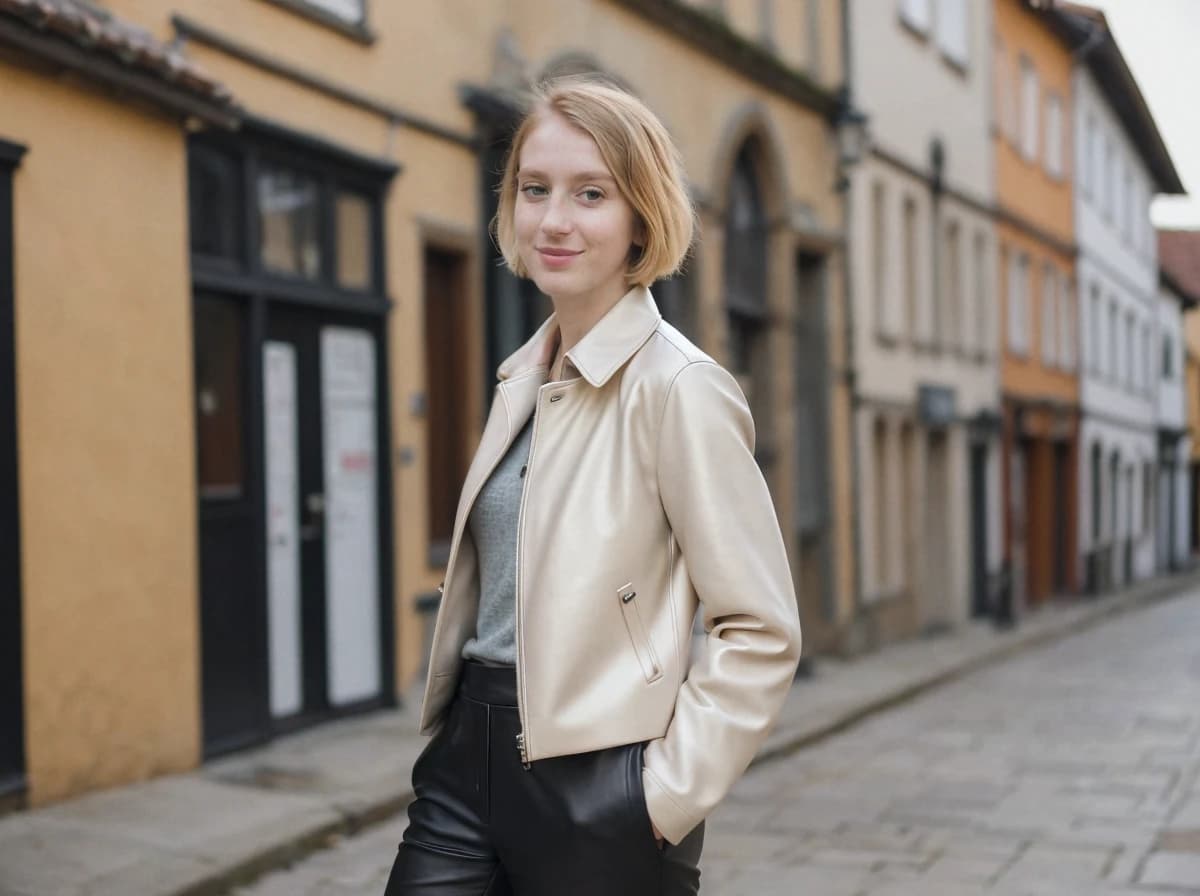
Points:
(848, 346)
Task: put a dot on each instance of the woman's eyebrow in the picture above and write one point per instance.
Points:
(586, 175)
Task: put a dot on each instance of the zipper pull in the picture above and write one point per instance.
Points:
(521, 751)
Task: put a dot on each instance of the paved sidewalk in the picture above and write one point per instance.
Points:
(208, 830)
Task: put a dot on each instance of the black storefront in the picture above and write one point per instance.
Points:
(293, 431)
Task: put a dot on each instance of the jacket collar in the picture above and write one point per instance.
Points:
(602, 351)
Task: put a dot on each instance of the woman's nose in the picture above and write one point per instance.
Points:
(556, 220)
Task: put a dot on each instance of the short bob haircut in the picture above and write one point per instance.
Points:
(642, 158)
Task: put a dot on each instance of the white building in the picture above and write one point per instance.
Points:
(922, 255)
(1120, 164)
(1172, 516)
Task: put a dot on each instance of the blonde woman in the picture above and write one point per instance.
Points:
(577, 747)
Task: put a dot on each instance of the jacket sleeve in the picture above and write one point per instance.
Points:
(724, 523)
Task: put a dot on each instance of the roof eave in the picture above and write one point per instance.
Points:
(173, 97)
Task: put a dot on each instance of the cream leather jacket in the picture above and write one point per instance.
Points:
(641, 498)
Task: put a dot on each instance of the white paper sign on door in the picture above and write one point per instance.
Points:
(349, 408)
(283, 541)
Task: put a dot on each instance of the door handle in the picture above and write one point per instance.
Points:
(314, 503)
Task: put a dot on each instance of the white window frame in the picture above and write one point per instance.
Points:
(917, 15)
(1031, 109)
(1049, 309)
(1018, 302)
(352, 12)
(953, 27)
(1055, 143)
(1067, 329)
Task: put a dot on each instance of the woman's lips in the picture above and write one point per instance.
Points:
(557, 258)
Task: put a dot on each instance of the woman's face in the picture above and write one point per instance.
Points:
(574, 228)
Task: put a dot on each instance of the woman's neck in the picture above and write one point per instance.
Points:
(576, 316)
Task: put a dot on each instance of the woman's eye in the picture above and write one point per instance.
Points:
(533, 190)
(592, 195)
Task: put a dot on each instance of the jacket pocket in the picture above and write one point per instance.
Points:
(637, 632)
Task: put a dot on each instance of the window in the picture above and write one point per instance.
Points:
(916, 14)
(982, 305)
(1049, 313)
(1110, 179)
(1147, 497)
(746, 270)
(1100, 172)
(289, 220)
(1131, 352)
(220, 389)
(1054, 135)
(1168, 365)
(883, 532)
(353, 240)
(952, 293)
(1089, 163)
(879, 242)
(352, 11)
(1126, 210)
(953, 32)
(1000, 87)
(1096, 328)
(1030, 109)
(1067, 325)
(910, 267)
(1018, 297)
(1113, 341)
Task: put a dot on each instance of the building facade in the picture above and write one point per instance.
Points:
(1179, 280)
(1172, 514)
(1032, 139)
(1119, 163)
(242, 420)
(922, 252)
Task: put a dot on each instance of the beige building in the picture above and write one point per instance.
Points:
(250, 317)
(922, 248)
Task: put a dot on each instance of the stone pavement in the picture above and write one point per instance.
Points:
(1069, 771)
(210, 830)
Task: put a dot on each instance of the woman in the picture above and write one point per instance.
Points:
(576, 749)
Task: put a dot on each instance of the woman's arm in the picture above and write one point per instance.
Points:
(724, 522)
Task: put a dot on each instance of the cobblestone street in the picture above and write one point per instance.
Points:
(1066, 771)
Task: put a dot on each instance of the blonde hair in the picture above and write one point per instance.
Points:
(640, 155)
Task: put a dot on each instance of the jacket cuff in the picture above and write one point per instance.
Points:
(672, 822)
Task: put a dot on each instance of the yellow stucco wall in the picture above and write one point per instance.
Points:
(105, 435)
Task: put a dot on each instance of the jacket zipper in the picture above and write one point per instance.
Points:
(522, 745)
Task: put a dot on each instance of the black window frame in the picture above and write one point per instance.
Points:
(335, 171)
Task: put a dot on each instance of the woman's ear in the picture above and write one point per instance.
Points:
(639, 233)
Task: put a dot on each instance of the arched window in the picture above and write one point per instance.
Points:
(746, 278)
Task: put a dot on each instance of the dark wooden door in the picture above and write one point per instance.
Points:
(12, 715)
(980, 603)
(232, 615)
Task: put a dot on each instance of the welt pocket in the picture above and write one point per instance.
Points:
(638, 634)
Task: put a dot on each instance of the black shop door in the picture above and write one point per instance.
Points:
(305, 638)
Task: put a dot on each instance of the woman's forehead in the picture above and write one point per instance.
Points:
(556, 147)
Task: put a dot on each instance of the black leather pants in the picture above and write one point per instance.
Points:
(483, 825)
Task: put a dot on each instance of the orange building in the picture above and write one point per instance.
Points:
(1039, 379)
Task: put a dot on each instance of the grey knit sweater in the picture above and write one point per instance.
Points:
(493, 526)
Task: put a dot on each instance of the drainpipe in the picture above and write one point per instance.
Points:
(848, 347)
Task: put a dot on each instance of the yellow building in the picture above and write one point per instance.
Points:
(257, 319)
(1039, 377)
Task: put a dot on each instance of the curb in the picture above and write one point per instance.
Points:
(1105, 609)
